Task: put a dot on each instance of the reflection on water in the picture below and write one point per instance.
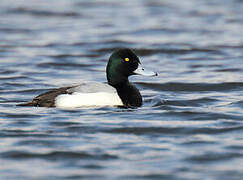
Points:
(190, 125)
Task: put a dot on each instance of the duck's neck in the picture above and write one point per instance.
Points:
(129, 94)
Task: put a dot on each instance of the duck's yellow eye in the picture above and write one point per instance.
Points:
(127, 59)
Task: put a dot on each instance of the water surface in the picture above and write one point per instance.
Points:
(190, 126)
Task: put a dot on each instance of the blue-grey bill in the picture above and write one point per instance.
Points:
(141, 71)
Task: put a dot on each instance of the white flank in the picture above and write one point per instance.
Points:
(78, 99)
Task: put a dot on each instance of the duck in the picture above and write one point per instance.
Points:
(118, 91)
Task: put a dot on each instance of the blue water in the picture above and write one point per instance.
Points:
(191, 124)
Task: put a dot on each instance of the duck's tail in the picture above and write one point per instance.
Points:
(31, 103)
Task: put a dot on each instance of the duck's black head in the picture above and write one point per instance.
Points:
(122, 63)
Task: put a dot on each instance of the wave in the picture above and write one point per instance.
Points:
(192, 87)
(56, 155)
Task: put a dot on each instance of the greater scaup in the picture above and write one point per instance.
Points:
(118, 92)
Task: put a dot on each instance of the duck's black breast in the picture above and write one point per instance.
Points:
(129, 94)
(47, 99)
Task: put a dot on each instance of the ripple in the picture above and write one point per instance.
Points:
(16, 77)
(20, 115)
(237, 104)
(22, 133)
(147, 52)
(193, 103)
(63, 65)
(44, 13)
(174, 131)
(55, 155)
(151, 176)
(193, 87)
(12, 30)
(229, 70)
(212, 156)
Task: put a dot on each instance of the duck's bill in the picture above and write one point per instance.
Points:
(141, 71)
